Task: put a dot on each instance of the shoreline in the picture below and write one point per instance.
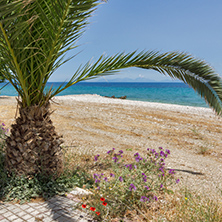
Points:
(95, 98)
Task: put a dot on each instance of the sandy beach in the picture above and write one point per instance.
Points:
(95, 123)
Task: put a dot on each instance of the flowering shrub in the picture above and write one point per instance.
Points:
(133, 186)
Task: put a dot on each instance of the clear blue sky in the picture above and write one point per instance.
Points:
(192, 26)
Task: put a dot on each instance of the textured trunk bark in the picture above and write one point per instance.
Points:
(33, 146)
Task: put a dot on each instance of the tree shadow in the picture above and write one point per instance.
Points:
(187, 171)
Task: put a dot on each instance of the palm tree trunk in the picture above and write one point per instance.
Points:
(33, 146)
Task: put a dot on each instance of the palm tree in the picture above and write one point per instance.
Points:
(34, 37)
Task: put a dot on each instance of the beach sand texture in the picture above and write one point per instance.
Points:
(91, 122)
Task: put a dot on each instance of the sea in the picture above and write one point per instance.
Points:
(161, 92)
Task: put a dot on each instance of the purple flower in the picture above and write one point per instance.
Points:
(109, 151)
(153, 151)
(161, 169)
(162, 153)
(161, 186)
(138, 158)
(112, 175)
(144, 174)
(105, 178)
(147, 187)
(136, 154)
(160, 148)
(168, 151)
(95, 175)
(135, 166)
(144, 179)
(120, 151)
(148, 149)
(3, 124)
(130, 166)
(132, 186)
(162, 160)
(144, 199)
(166, 155)
(120, 179)
(115, 159)
(171, 171)
(97, 181)
(98, 188)
(155, 198)
(96, 157)
(177, 181)
(113, 148)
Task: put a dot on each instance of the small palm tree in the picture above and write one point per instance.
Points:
(34, 37)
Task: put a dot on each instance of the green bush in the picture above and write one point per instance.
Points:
(130, 187)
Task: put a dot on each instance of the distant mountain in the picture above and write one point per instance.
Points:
(123, 80)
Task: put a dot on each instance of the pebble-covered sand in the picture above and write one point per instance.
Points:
(91, 123)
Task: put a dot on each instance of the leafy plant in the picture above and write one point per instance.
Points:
(3, 134)
(130, 187)
(23, 188)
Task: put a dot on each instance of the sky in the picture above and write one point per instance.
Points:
(191, 26)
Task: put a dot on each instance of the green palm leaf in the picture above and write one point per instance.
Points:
(193, 72)
(36, 34)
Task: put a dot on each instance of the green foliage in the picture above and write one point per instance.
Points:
(36, 35)
(2, 79)
(14, 188)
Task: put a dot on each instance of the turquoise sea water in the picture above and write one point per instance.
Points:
(173, 93)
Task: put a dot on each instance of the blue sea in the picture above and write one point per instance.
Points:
(167, 92)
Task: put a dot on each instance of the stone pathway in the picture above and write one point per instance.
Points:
(58, 208)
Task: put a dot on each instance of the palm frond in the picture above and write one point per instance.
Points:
(194, 72)
(34, 35)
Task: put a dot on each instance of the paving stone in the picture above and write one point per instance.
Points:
(21, 214)
(34, 213)
(32, 219)
(5, 220)
(44, 204)
(18, 220)
(16, 210)
(65, 219)
(48, 219)
(56, 208)
(55, 216)
(27, 217)
(7, 214)
(30, 210)
(50, 205)
(48, 213)
(2, 211)
(11, 208)
(12, 217)
(33, 204)
(24, 206)
(40, 207)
